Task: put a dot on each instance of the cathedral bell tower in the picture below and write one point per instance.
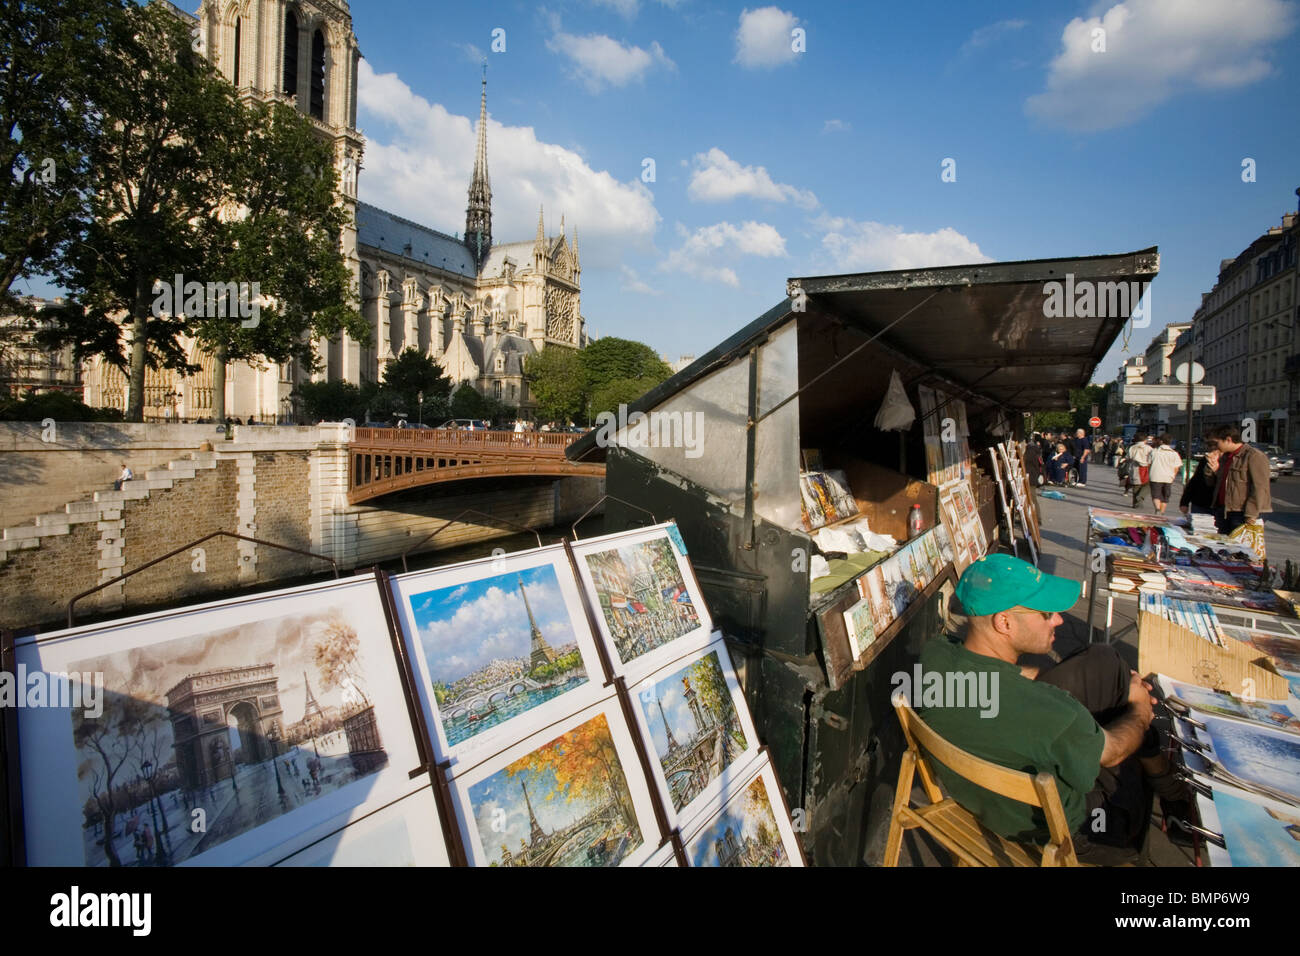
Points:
(478, 215)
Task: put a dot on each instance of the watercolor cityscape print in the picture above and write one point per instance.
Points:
(496, 648)
(245, 724)
(694, 726)
(564, 804)
(745, 833)
(1257, 835)
(1257, 755)
(643, 596)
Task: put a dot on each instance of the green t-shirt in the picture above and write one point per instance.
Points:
(1029, 726)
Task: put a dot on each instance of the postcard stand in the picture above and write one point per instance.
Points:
(12, 844)
(437, 773)
(1002, 497)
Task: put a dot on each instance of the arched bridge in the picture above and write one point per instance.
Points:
(385, 460)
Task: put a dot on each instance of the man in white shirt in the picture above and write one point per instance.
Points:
(1139, 456)
(1165, 463)
(127, 475)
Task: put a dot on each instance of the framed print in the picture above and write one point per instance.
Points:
(648, 602)
(220, 733)
(874, 589)
(860, 624)
(897, 587)
(501, 647)
(572, 794)
(1257, 831)
(930, 542)
(693, 716)
(916, 570)
(747, 827)
(405, 833)
(1260, 758)
(944, 540)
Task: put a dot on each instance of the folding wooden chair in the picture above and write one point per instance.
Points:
(956, 828)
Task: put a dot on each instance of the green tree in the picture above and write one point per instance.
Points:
(619, 391)
(611, 359)
(413, 374)
(468, 402)
(331, 401)
(555, 381)
(170, 130)
(60, 406)
(53, 53)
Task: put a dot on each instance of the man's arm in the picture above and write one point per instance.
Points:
(1124, 734)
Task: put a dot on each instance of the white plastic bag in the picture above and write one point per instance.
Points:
(896, 413)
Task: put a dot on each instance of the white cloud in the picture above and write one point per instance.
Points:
(419, 167)
(874, 247)
(632, 282)
(836, 126)
(627, 8)
(472, 53)
(601, 61)
(717, 178)
(1154, 50)
(695, 255)
(763, 38)
(987, 34)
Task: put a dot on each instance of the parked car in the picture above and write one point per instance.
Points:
(1285, 461)
(478, 423)
(1275, 459)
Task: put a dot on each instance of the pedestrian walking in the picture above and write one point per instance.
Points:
(1139, 469)
(1165, 463)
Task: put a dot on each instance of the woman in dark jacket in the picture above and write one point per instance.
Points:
(1198, 494)
(1034, 463)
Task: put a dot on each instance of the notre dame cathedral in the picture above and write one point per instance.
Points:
(477, 307)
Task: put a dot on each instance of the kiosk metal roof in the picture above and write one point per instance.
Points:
(986, 327)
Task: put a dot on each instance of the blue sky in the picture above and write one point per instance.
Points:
(772, 163)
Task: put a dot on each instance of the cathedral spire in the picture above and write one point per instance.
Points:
(478, 214)
(541, 226)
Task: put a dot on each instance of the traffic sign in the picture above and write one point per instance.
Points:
(1197, 373)
(1166, 394)
(1094, 422)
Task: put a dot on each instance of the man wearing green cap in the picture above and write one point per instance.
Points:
(1080, 721)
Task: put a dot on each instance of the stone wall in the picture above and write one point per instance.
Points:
(286, 485)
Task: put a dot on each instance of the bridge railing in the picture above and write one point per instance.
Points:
(552, 443)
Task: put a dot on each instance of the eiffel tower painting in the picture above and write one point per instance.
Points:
(542, 653)
(310, 708)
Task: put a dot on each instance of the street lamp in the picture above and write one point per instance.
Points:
(160, 851)
(274, 738)
(419, 400)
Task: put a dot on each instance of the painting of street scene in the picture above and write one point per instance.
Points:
(232, 728)
(694, 726)
(744, 834)
(564, 804)
(643, 596)
(496, 648)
